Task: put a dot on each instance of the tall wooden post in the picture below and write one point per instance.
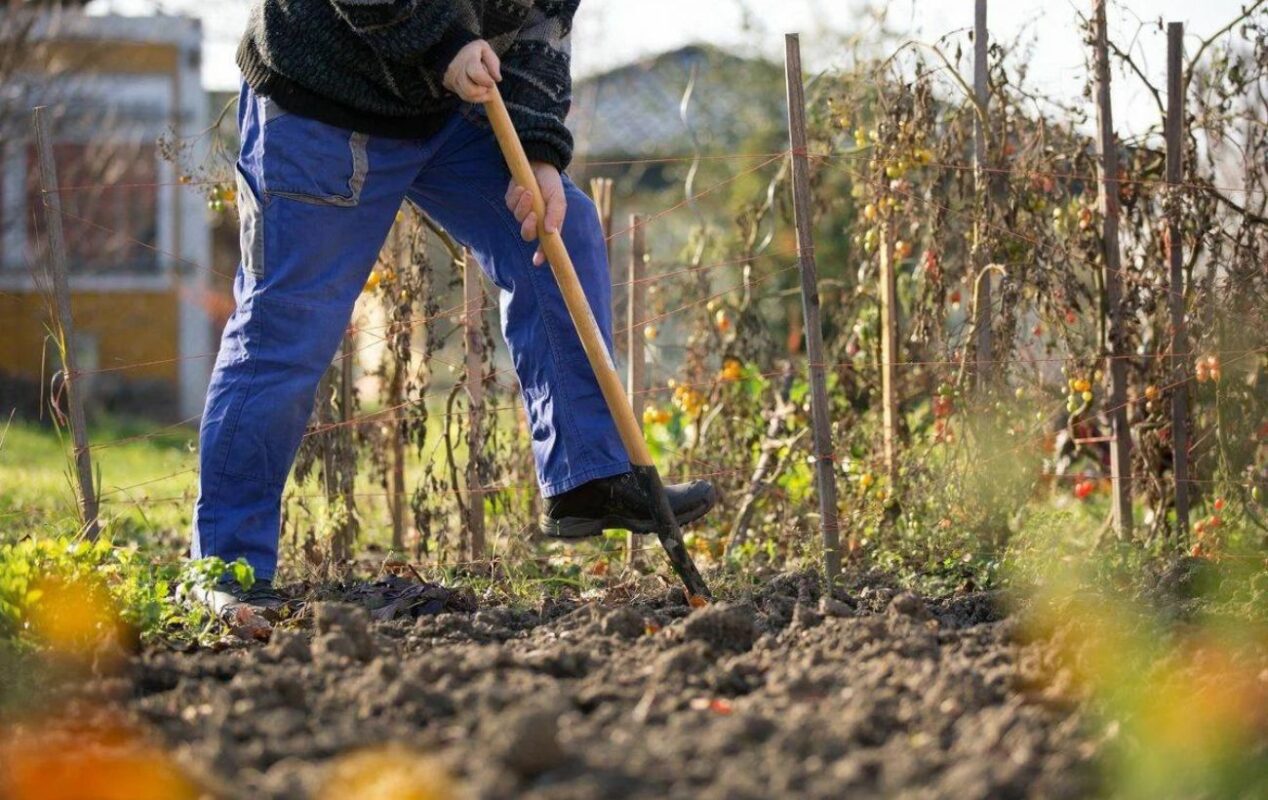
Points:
(65, 326)
(472, 299)
(803, 211)
(889, 353)
(347, 359)
(635, 318)
(983, 371)
(1120, 444)
(396, 399)
(1175, 247)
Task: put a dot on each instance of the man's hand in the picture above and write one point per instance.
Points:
(474, 72)
(520, 201)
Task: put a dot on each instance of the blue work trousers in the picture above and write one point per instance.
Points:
(316, 202)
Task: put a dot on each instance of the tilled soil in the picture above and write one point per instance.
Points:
(777, 693)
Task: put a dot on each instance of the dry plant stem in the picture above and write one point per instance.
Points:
(980, 291)
(770, 464)
(64, 327)
(552, 245)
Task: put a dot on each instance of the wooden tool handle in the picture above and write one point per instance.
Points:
(556, 253)
(552, 245)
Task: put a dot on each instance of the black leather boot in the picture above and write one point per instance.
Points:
(619, 503)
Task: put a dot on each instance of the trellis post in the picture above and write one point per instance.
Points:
(981, 94)
(1120, 444)
(635, 317)
(396, 394)
(472, 299)
(803, 210)
(1175, 253)
(889, 353)
(65, 326)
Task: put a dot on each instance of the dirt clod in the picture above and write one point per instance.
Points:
(527, 740)
(831, 607)
(624, 622)
(343, 631)
(723, 627)
(909, 605)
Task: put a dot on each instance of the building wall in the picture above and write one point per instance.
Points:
(136, 327)
(156, 317)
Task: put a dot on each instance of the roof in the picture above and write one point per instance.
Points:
(634, 110)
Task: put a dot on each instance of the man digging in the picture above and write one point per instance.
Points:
(348, 108)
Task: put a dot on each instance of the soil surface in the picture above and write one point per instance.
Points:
(775, 693)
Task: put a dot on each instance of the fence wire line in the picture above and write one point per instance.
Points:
(1038, 436)
(1050, 248)
(856, 153)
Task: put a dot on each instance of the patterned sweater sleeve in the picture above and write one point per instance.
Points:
(537, 81)
(424, 32)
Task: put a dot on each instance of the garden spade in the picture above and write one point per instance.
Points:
(552, 245)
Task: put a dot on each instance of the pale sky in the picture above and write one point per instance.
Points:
(612, 32)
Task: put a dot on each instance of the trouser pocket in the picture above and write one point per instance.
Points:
(310, 161)
(250, 226)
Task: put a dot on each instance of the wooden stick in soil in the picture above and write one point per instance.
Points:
(889, 354)
(982, 323)
(396, 398)
(65, 326)
(803, 210)
(1175, 248)
(473, 301)
(597, 354)
(635, 314)
(1112, 291)
(347, 532)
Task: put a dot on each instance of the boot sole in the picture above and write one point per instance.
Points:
(585, 527)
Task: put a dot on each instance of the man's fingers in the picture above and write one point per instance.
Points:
(478, 74)
(491, 62)
(528, 227)
(523, 206)
(539, 258)
(556, 206)
(513, 192)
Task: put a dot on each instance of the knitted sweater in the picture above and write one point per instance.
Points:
(375, 66)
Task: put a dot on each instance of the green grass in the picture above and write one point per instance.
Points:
(146, 481)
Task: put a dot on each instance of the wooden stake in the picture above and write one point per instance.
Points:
(601, 193)
(635, 314)
(889, 353)
(65, 326)
(396, 399)
(825, 459)
(1120, 446)
(597, 354)
(983, 372)
(1179, 330)
(473, 301)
